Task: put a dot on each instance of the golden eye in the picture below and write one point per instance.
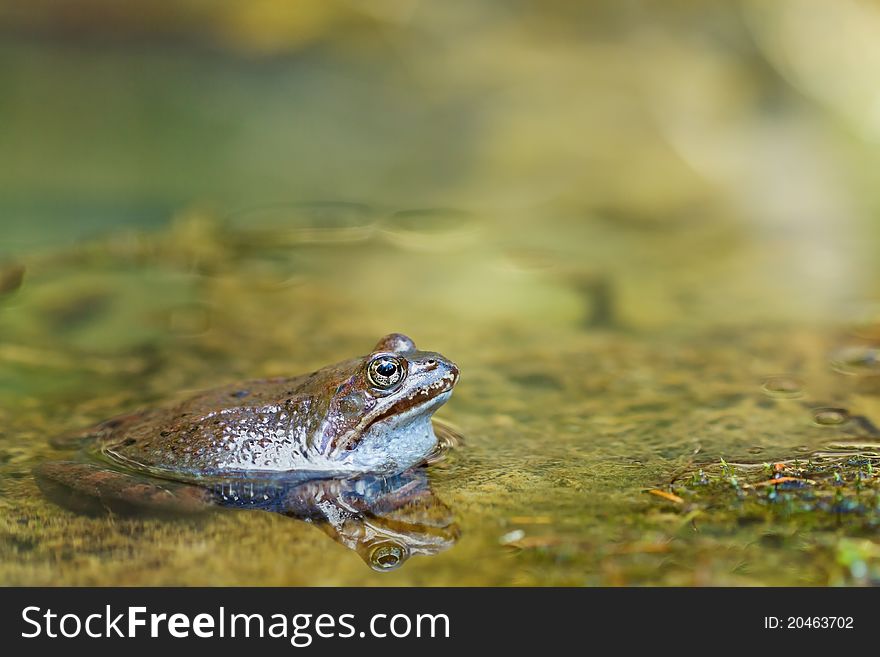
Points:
(385, 371)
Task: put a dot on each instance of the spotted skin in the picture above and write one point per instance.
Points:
(311, 425)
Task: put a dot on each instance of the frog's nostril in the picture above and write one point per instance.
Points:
(430, 364)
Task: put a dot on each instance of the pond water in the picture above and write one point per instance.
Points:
(653, 260)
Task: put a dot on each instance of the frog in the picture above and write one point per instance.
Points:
(314, 439)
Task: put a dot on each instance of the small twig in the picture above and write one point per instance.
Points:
(666, 496)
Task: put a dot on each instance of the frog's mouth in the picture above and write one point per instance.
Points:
(423, 401)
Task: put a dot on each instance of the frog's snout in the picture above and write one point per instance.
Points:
(450, 375)
(443, 373)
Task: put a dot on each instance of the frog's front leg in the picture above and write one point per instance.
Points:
(89, 488)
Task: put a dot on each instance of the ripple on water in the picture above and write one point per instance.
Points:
(430, 229)
(861, 360)
(531, 259)
(830, 416)
(782, 387)
(448, 438)
(273, 275)
(290, 224)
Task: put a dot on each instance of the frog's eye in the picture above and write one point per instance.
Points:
(385, 371)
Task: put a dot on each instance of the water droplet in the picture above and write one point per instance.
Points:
(826, 417)
(782, 387)
(859, 360)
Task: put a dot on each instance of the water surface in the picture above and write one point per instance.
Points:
(646, 252)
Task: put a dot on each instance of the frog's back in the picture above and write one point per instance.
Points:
(368, 414)
(262, 425)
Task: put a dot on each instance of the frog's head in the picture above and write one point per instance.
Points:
(379, 416)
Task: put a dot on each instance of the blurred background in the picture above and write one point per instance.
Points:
(713, 122)
(619, 218)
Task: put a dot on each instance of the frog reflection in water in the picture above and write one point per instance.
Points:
(341, 446)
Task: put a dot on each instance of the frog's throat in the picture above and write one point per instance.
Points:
(403, 412)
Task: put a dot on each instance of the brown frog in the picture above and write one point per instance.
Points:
(339, 443)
